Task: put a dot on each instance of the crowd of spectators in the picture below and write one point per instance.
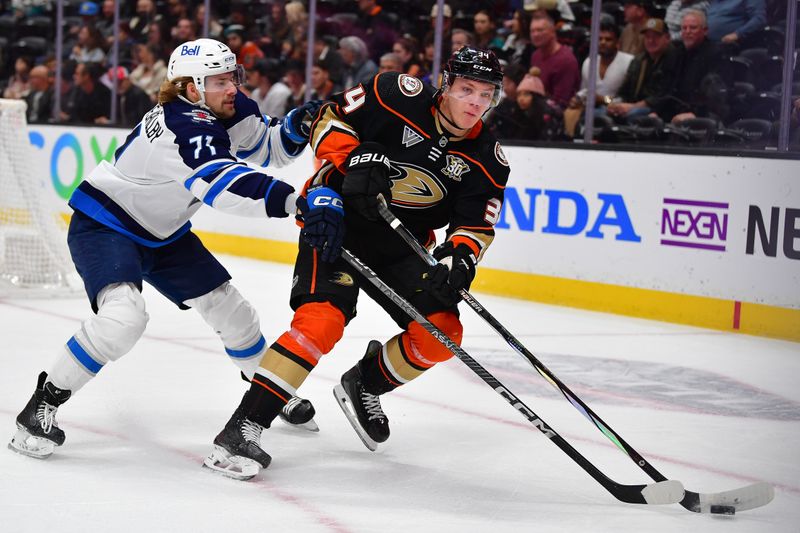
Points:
(688, 71)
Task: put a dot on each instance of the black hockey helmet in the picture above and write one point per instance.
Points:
(475, 64)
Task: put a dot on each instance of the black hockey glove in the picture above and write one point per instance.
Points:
(297, 124)
(455, 271)
(322, 213)
(366, 177)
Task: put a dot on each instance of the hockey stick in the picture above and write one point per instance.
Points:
(662, 492)
(728, 502)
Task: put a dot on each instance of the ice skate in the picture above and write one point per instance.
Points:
(237, 450)
(299, 413)
(361, 408)
(37, 430)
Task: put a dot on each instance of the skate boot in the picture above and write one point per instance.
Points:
(362, 408)
(237, 450)
(37, 430)
(299, 412)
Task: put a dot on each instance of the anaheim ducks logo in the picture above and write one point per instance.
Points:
(342, 278)
(415, 187)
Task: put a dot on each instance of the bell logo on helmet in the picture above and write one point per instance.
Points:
(190, 51)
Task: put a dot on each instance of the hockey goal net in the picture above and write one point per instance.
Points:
(34, 258)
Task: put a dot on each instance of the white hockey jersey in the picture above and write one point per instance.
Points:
(181, 156)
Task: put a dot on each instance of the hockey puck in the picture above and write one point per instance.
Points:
(723, 509)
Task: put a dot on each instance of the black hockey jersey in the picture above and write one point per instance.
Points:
(437, 180)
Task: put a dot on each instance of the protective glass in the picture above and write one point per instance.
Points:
(222, 82)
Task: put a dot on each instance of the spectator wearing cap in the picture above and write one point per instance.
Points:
(247, 52)
(531, 116)
(447, 27)
(359, 68)
(132, 102)
(150, 71)
(650, 77)
(321, 84)
(512, 77)
(89, 48)
(268, 89)
(675, 12)
(88, 99)
(40, 97)
(631, 40)
(557, 64)
(730, 21)
(89, 12)
(702, 76)
(375, 28)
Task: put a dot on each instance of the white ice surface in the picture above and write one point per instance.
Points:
(713, 410)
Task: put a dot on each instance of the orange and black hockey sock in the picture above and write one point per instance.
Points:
(316, 327)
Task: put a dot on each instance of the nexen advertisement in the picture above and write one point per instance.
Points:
(721, 227)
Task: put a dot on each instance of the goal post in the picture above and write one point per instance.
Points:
(34, 258)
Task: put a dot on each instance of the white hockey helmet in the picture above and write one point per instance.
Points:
(201, 58)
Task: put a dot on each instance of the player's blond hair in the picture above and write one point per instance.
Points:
(170, 90)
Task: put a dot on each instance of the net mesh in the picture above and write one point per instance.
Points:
(34, 258)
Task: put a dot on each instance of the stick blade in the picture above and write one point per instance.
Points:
(663, 492)
(741, 499)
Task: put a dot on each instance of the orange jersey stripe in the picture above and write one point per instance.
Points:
(314, 272)
(380, 101)
(465, 156)
(460, 239)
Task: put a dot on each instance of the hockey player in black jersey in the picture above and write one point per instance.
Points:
(131, 224)
(428, 155)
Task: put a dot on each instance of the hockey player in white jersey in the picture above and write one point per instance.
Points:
(131, 224)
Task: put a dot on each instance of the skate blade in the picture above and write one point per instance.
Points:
(26, 444)
(347, 409)
(308, 426)
(232, 466)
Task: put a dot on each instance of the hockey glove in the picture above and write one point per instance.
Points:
(322, 213)
(366, 177)
(297, 124)
(455, 271)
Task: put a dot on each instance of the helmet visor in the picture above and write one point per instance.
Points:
(226, 80)
(478, 91)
